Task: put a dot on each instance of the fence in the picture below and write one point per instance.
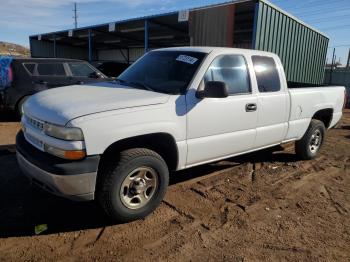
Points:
(339, 76)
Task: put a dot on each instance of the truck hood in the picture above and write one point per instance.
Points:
(60, 105)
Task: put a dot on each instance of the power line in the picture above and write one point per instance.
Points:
(319, 6)
(326, 19)
(322, 5)
(344, 45)
(320, 11)
(335, 27)
(310, 4)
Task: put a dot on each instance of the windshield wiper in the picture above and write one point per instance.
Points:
(142, 85)
(120, 81)
(137, 84)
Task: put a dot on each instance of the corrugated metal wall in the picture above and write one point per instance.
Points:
(212, 26)
(118, 54)
(46, 49)
(302, 50)
(136, 53)
(339, 77)
(113, 54)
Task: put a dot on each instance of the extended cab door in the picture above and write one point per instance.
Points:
(221, 127)
(273, 101)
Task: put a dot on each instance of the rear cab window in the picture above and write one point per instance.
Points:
(30, 67)
(267, 75)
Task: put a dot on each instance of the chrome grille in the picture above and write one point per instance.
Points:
(34, 141)
(35, 123)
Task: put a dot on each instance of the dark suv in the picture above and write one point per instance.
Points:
(111, 68)
(24, 77)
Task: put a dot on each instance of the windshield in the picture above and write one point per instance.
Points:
(163, 71)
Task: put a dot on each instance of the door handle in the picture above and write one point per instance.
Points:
(42, 82)
(251, 107)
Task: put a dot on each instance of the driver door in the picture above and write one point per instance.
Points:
(220, 127)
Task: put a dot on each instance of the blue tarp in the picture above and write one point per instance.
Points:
(5, 74)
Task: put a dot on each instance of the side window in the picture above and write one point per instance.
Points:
(266, 74)
(232, 70)
(30, 67)
(80, 69)
(51, 69)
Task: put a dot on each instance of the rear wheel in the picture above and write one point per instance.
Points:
(134, 186)
(308, 147)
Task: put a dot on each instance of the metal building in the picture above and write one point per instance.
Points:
(255, 24)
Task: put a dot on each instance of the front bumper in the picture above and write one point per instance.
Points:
(74, 180)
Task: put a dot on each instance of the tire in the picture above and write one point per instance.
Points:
(309, 146)
(124, 185)
(19, 108)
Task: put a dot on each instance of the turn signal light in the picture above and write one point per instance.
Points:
(74, 155)
(66, 154)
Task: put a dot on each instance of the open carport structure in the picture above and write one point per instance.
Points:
(255, 24)
(124, 41)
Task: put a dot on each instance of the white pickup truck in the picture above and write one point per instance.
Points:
(173, 109)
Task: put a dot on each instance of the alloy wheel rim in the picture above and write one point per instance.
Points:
(139, 187)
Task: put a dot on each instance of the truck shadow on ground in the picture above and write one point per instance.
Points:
(8, 117)
(23, 206)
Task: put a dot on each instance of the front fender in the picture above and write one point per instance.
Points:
(103, 129)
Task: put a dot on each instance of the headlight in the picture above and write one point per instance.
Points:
(65, 133)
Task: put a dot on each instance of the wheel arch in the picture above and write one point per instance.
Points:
(162, 143)
(19, 100)
(325, 116)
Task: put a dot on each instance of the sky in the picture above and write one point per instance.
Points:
(21, 18)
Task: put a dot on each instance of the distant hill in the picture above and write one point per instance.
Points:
(13, 49)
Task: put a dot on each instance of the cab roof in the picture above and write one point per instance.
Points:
(208, 49)
(29, 59)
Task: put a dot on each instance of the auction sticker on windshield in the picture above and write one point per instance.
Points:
(187, 59)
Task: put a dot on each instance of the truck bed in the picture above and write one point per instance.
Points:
(302, 85)
(304, 101)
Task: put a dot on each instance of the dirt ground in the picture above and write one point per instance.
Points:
(261, 207)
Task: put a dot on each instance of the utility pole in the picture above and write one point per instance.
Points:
(348, 63)
(333, 61)
(75, 16)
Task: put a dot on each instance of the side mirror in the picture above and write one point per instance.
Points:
(95, 75)
(213, 89)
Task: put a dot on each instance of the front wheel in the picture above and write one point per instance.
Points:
(309, 146)
(134, 186)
